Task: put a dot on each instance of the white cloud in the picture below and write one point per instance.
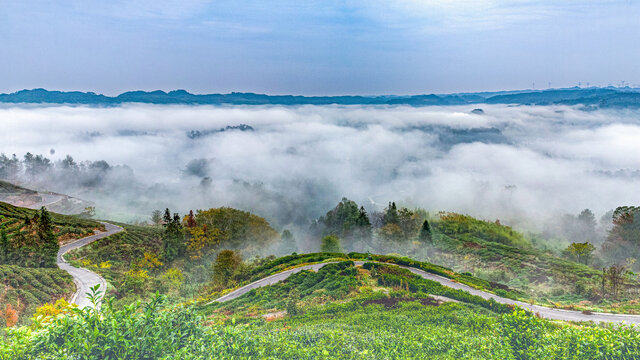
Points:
(508, 163)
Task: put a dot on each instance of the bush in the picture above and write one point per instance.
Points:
(523, 332)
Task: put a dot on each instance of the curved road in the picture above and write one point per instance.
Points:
(545, 312)
(83, 278)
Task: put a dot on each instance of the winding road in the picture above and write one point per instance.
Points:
(545, 312)
(83, 278)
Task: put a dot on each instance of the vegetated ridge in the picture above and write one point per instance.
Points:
(592, 96)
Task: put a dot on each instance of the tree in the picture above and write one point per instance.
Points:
(408, 222)
(363, 225)
(425, 232)
(615, 276)
(48, 240)
(623, 240)
(392, 233)
(225, 265)
(4, 245)
(581, 251)
(588, 219)
(156, 217)
(167, 217)
(88, 212)
(191, 220)
(288, 242)
(331, 244)
(173, 238)
(391, 214)
(237, 229)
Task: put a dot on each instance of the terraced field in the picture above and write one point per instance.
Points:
(25, 285)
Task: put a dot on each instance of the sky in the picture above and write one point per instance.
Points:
(319, 47)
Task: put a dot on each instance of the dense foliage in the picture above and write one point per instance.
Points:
(178, 258)
(28, 248)
(623, 240)
(338, 314)
(25, 289)
(30, 238)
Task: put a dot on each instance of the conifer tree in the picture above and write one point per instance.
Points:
(364, 224)
(167, 217)
(173, 239)
(425, 232)
(391, 216)
(48, 240)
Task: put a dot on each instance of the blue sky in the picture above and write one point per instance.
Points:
(317, 47)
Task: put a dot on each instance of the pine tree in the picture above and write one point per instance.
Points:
(364, 225)
(425, 232)
(391, 216)
(48, 240)
(174, 242)
(167, 217)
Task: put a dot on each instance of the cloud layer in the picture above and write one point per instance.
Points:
(511, 163)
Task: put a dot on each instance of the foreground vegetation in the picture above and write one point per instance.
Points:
(29, 243)
(341, 312)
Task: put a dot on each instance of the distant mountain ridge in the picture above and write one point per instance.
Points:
(592, 97)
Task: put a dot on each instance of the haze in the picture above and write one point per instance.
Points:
(512, 163)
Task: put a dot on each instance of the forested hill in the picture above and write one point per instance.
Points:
(600, 97)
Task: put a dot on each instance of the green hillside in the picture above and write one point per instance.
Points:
(27, 264)
(340, 312)
(501, 255)
(66, 227)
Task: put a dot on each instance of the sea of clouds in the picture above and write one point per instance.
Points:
(515, 163)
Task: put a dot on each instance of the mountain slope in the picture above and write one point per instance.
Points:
(602, 97)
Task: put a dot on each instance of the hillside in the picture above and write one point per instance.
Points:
(340, 312)
(352, 305)
(66, 227)
(601, 97)
(30, 279)
(176, 258)
(500, 254)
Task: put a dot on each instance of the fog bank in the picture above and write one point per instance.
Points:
(292, 164)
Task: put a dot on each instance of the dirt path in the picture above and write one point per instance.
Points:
(83, 278)
(545, 312)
